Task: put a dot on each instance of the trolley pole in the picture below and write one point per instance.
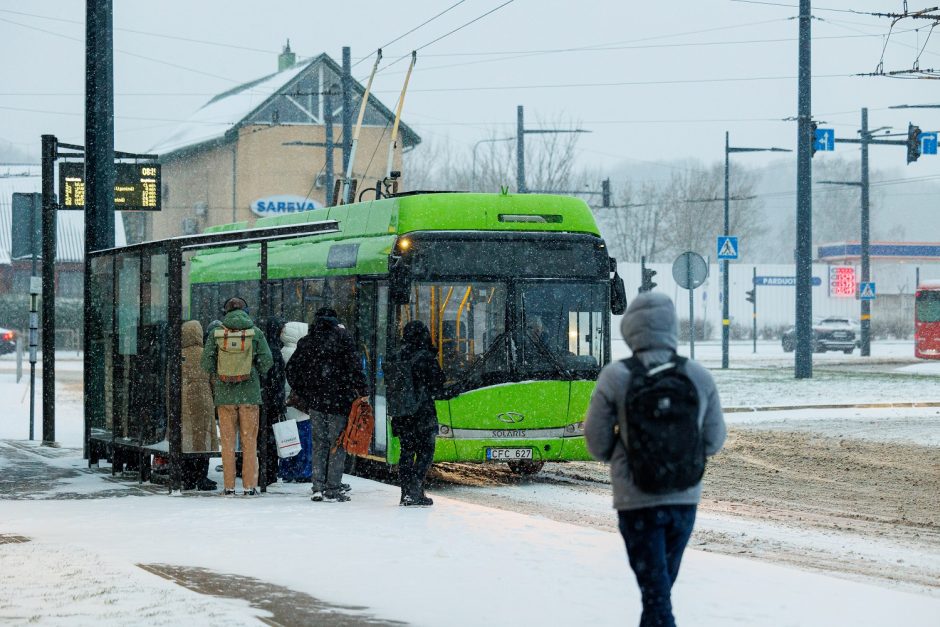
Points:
(803, 359)
(330, 147)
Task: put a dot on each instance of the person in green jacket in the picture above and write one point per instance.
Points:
(236, 354)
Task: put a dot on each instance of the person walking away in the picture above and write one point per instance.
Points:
(326, 373)
(417, 431)
(654, 417)
(274, 398)
(298, 467)
(236, 354)
(197, 411)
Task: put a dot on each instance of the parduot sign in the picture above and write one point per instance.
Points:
(284, 203)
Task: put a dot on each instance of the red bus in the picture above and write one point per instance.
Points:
(927, 320)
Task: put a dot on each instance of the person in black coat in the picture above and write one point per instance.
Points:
(326, 372)
(418, 432)
(273, 397)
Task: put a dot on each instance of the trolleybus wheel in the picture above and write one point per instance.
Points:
(525, 466)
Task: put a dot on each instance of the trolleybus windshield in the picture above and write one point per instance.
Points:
(928, 305)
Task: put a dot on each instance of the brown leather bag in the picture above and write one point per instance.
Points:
(357, 436)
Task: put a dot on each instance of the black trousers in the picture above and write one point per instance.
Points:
(417, 453)
(194, 469)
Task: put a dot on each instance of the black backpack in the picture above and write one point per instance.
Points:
(662, 435)
(401, 396)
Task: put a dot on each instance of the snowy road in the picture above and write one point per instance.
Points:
(848, 492)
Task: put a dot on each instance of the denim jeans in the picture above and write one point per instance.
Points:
(328, 457)
(655, 538)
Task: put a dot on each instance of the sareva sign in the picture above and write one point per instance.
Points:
(283, 203)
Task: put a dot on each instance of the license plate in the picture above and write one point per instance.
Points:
(508, 453)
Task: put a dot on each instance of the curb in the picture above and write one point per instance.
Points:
(736, 410)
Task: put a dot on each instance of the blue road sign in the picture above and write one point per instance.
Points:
(866, 291)
(782, 281)
(928, 143)
(825, 139)
(727, 247)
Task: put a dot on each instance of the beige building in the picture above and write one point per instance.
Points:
(258, 150)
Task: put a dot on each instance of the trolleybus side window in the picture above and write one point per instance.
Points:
(293, 308)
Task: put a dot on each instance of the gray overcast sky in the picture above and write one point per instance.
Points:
(649, 79)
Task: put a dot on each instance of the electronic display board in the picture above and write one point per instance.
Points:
(842, 281)
(136, 186)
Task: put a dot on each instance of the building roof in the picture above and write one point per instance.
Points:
(70, 225)
(292, 96)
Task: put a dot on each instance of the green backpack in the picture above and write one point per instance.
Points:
(235, 354)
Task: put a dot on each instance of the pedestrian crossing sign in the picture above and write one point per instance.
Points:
(866, 291)
(727, 247)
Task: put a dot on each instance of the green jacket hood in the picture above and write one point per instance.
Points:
(237, 319)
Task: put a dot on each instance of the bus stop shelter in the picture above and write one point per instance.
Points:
(140, 299)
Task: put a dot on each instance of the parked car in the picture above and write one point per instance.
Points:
(829, 334)
(7, 341)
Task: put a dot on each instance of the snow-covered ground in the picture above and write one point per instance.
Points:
(454, 564)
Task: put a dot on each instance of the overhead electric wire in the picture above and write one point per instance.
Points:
(403, 35)
(145, 33)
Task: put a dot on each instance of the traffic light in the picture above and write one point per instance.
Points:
(913, 142)
(648, 285)
(812, 134)
(752, 296)
(605, 193)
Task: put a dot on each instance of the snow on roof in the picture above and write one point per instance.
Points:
(225, 111)
(70, 225)
(228, 110)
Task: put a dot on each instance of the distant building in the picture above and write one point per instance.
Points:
(247, 152)
(70, 238)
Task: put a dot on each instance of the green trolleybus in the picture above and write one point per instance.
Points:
(516, 290)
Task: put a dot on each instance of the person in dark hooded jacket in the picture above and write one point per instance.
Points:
(326, 372)
(273, 396)
(418, 432)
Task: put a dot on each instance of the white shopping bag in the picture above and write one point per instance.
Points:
(288, 441)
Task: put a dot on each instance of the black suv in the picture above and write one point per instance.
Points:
(829, 334)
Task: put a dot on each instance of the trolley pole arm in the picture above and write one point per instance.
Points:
(401, 103)
(347, 184)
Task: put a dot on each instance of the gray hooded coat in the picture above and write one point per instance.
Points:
(649, 328)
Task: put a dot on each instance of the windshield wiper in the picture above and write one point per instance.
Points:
(466, 381)
(545, 350)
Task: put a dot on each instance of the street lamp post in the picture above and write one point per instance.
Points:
(725, 313)
(521, 132)
(473, 168)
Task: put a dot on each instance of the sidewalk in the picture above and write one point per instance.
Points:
(105, 550)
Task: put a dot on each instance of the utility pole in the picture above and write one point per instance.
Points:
(803, 359)
(347, 108)
(520, 150)
(866, 138)
(49, 148)
(328, 140)
(521, 132)
(99, 177)
(725, 312)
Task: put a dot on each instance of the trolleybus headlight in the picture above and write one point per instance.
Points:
(444, 431)
(574, 429)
